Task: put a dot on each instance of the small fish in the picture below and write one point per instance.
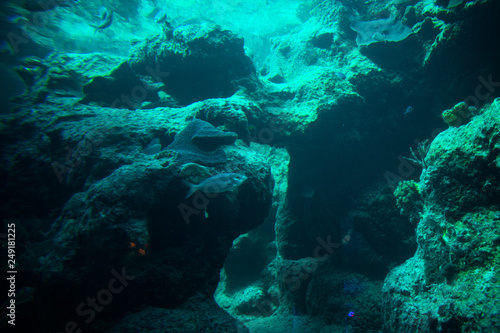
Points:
(408, 110)
(161, 16)
(347, 237)
(340, 75)
(217, 184)
(106, 19)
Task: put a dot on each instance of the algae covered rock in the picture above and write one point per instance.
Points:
(408, 199)
(108, 90)
(136, 214)
(451, 283)
(61, 74)
(464, 163)
(202, 61)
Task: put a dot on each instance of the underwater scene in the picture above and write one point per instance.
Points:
(264, 166)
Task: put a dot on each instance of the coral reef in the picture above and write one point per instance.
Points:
(408, 199)
(451, 283)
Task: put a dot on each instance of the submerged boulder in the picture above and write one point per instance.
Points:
(451, 283)
(202, 61)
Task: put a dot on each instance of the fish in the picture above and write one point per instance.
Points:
(408, 110)
(222, 182)
(106, 19)
(340, 75)
(347, 237)
(161, 16)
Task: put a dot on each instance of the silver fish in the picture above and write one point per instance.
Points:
(217, 184)
(340, 75)
(161, 16)
(106, 19)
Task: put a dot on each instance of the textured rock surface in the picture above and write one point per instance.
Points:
(122, 211)
(329, 119)
(173, 256)
(452, 281)
(108, 90)
(337, 99)
(61, 74)
(208, 317)
(203, 61)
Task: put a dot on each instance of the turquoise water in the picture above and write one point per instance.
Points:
(250, 166)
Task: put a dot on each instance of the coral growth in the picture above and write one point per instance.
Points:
(408, 199)
(451, 283)
(458, 115)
